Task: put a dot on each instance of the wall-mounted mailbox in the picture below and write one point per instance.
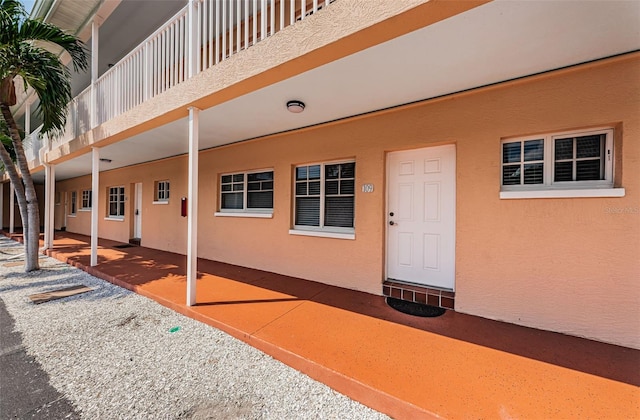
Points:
(183, 207)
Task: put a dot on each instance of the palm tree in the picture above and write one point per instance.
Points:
(23, 54)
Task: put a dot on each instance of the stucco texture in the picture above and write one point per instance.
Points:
(567, 265)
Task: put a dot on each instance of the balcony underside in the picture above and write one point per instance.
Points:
(243, 98)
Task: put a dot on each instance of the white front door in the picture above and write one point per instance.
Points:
(137, 212)
(421, 216)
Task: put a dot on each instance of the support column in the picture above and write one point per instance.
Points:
(1, 205)
(93, 114)
(95, 194)
(49, 205)
(192, 208)
(12, 209)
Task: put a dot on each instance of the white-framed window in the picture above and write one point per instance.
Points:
(116, 202)
(558, 161)
(162, 191)
(74, 203)
(247, 192)
(86, 199)
(325, 197)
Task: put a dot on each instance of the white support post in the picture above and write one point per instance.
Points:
(95, 194)
(192, 208)
(52, 206)
(48, 209)
(93, 112)
(12, 209)
(1, 205)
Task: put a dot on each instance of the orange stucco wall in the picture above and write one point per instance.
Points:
(569, 265)
(6, 197)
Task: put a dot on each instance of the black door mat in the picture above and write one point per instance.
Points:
(416, 309)
(124, 246)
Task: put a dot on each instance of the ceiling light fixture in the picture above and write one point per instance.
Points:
(295, 106)
(105, 160)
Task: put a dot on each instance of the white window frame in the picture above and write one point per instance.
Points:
(87, 194)
(322, 230)
(120, 193)
(162, 194)
(566, 189)
(245, 211)
(73, 208)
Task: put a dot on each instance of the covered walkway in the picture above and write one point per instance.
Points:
(453, 366)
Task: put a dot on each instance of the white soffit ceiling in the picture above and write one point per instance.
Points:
(495, 42)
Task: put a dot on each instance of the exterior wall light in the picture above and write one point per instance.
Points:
(295, 106)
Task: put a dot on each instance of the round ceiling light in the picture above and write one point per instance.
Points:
(295, 106)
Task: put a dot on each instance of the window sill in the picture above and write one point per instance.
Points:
(85, 209)
(320, 234)
(115, 219)
(161, 202)
(71, 215)
(574, 193)
(251, 215)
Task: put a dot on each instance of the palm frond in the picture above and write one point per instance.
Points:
(34, 30)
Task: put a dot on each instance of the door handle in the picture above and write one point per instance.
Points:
(392, 223)
(137, 212)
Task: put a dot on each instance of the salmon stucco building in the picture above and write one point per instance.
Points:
(481, 156)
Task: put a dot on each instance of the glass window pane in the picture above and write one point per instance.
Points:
(564, 149)
(563, 171)
(238, 187)
(226, 178)
(589, 146)
(301, 188)
(511, 175)
(332, 171)
(232, 201)
(331, 187)
(314, 172)
(253, 186)
(511, 152)
(533, 173)
(348, 170)
(347, 186)
(260, 200)
(238, 178)
(308, 211)
(338, 212)
(226, 187)
(113, 209)
(314, 188)
(533, 150)
(267, 185)
(589, 170)
(301, 173)
(121, 209)
(260, 176)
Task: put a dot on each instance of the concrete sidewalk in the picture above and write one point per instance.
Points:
(454, 366)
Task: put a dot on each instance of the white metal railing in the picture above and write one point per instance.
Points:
(218, 30)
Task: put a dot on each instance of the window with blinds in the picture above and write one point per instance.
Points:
(325, 196)
(247, 192)
(86, 199)
(116, 202)
(560, 160)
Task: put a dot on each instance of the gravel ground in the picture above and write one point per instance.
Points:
(113, 355)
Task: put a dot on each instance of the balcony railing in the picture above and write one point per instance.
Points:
(202, 34)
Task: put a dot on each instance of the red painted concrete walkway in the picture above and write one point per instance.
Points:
(454, 366)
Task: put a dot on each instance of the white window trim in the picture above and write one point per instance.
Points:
(322, 234)
(73, 203)
(82, 208)
(331, 231)
(571, 189)
(111, 216)
(245, 212)
(115, 218)
(157, 192)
